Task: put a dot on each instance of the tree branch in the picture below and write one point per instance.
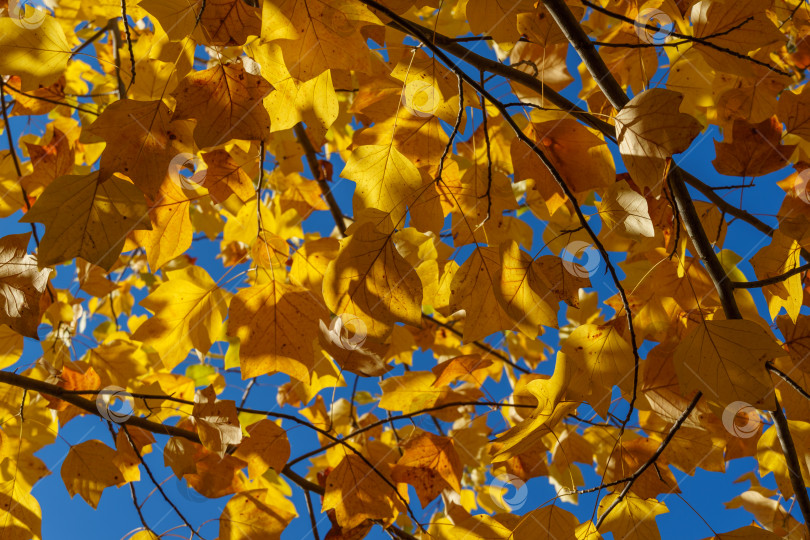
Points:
(508, 72)
(652, 459)
(157, 484)
(406, 416)
(426, 40)
(784, 376)
(315, 169)
(770, 280)
(694, 228)
(481, 345)
(702, 41)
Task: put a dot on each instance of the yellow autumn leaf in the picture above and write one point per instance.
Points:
(772, 460)
(649, 130)
(726, 361)
(428, 88)
(386, 180)
(782, 255)
(276, 324)
(88, 469)
(497, 18)
(111, 209)
(188, 313)
(217, 421)
(473, 289)
(602, 359)
(356, 494)
(371, 286)
(431, 465)
(633, 518)
(625, 211)
(266, 447)
(329, 32)
(523, 291)
(144, 143)
(226, 102)
(548, 520)
(313, 102)
(551, 409)
(172, 230)
(256, 514)
(749, 532)
(21, 286)
(37, 53)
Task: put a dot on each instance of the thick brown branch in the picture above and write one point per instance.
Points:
(780, 422)
(112, 25)
(42, 387)
(48, 100)
(577, 37)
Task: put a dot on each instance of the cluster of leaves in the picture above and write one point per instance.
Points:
(174, 128)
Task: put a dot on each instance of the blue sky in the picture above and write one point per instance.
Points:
(69, 519)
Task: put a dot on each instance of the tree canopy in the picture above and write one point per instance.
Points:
(369, 265)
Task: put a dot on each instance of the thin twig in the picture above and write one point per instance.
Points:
(391, 418)
(311, 511)
(481, 345)
(16, 160)
(677, 35)
(575, 35)
(157, 484)
(48, 100)
(510, 73)
(770, 280)
(802, 392)
(651, 460)
(315, 169)
(129, 41)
